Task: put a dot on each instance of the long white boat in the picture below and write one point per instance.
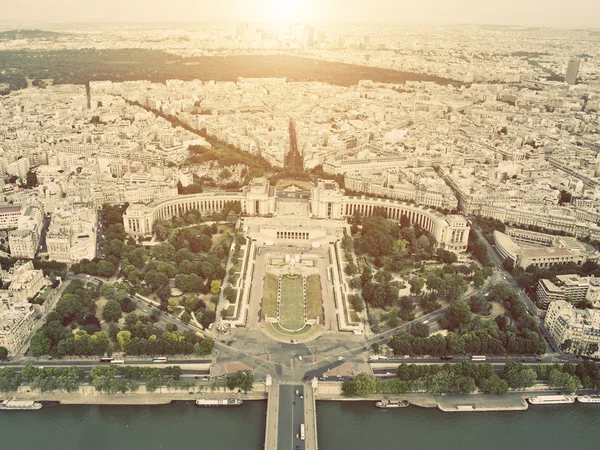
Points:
(385, 403)
(551, 399)
(219, 402)
(588, 399)
(20, 405)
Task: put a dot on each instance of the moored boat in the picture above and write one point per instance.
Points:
(551, 399)
(219, 402)
(20, 405)
(385, 403)
(588, 399)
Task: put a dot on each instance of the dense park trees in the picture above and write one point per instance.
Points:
(513, 333)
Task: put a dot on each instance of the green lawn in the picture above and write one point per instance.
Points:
(292, 303)
(269, 302)
(313, 296)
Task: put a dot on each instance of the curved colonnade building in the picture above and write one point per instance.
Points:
(303, 212)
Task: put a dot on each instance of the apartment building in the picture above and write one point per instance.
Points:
(563, 287)
(24, 240)
(16, 323)
(579, 328)
(26, 282)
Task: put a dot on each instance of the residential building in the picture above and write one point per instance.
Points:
(16, 323)
(26, 282)
(572, 288)
(9, 216)
(575, 330)
(72, 234)
(24, 240)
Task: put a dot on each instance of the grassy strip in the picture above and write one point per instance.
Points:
(314, 304)
(269, 302)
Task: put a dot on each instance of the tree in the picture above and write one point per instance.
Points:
(215, 286)
(229, 294)
(3, 353)
(204, 347)
(105, 268)
(112, 311)
(416, 285)
(458, 314)
(31, 178)
(40, 344)
(494, 385)
(480, 305)
(123, 338)
(419, 330)
(164, 252)
(518, 376)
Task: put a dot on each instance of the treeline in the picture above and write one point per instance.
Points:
(460, 378)
(46, 380)
(466, 378)
(112, 379)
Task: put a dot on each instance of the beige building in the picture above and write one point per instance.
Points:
(72, 235)
(563, 287)
(325, 201)
(580, 327)
(526, 248)
(26, 282)
(16, 323)
(9, 216)
(24, 240)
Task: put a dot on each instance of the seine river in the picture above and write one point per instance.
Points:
(341, 425)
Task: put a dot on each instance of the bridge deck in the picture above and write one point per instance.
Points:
(289, 407)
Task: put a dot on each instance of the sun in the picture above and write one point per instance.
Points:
(285, 10)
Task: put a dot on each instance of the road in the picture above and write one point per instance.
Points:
(99, 235)
(291, 415)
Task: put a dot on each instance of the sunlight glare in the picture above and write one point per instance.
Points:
(285, 10)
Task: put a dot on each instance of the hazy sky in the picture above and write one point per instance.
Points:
(560, 13)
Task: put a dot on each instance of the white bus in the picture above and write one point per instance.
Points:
(302, 431)
(478, 358)
(158, 359)
(117, 361)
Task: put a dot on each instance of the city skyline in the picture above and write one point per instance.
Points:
(432, 12)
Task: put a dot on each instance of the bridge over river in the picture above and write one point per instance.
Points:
(291, 412)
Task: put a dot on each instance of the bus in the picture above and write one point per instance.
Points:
(106, 360)
(117, 361)
(478, 358)
(302, 431)
(158, 359)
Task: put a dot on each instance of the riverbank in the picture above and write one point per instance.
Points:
(513, 401)
(87, 395)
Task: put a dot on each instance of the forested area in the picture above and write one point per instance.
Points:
(84, 65)
(514, 332)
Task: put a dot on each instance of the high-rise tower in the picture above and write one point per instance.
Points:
(572, 70)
